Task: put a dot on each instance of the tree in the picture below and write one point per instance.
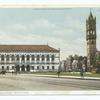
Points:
(75, 57)
(96, 62)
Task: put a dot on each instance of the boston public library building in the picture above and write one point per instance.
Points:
(29, 58)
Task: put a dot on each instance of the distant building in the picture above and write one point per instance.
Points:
(28, 58)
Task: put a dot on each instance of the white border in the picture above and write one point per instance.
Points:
(49, 93)
(32, 5)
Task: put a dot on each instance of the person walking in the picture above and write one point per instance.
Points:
(82, 72)
(58, 73)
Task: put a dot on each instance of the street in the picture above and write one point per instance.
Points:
(31, 82)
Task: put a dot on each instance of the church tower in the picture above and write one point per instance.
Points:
(91, 39)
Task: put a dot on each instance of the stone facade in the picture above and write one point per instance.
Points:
(91, 39)
(29, 59)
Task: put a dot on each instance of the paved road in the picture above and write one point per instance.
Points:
(29, 82)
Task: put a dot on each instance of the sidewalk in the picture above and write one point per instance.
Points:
(69, 77)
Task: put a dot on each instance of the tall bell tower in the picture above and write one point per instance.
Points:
(91, 39)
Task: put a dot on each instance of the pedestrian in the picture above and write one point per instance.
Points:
(81, 72)
(58, 73)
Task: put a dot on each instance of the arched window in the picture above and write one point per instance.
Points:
(42, 57)
(2, 57)
(7, 67)
(42, 67)
(47, 67)
(23, 57)
(17, 57)
(33, 57)
(48, 58)
(28, 57)
(12, 67)
(38, 57)
(37, 67)
(7, 57)
(12, 57)
(2, 67)
(52, 58)
(32, 67)
(53, 67)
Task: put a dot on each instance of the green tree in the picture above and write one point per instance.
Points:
(97, 62)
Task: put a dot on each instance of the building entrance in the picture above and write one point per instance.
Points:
(23, 68)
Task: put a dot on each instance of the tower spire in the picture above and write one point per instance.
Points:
(90, 16)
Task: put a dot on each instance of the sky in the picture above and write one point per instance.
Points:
(63, 28)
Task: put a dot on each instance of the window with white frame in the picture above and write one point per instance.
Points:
(48, 58)
(2, 57)
(32, 57)
(32, 67)
(53, 67)
(17, 57)
(12, 67)
(37, 67)
(42, 57)
(47, 67)
(7, 57)
(2, 67)
(38, 57)
(12, 57)
(23, 57)
(27, 57)
(52, 58)
(42, 67)
(7, 67)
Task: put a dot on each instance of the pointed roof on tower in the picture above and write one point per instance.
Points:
(90, 16)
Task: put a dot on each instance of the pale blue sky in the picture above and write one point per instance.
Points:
(62, 28)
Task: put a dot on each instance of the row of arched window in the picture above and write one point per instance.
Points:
(33, 67)
(33, 57)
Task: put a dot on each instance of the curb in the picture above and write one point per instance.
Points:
(69, 77)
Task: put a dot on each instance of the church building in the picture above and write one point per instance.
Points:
(91, 39)
(91, 36)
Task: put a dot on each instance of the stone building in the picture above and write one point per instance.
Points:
(91, 39)
(29, 58)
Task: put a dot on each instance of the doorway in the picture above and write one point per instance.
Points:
(23, 68)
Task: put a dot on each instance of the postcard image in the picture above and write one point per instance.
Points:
(49, 50)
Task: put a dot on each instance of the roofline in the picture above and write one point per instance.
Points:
(52, 49)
